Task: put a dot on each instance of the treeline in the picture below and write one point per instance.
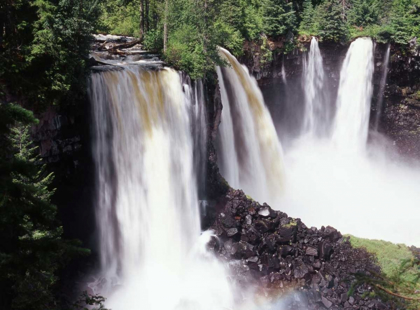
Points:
(44, 47)
(188, 31)
(385, 20)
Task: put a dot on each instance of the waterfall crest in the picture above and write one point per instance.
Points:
(316, 108)
(147, 205)
(250, 153)
(354, 97)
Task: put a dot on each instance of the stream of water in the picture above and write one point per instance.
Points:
(152, 254)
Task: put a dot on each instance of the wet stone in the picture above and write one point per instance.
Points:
(311, 251)
(326, 302)
(231, 232)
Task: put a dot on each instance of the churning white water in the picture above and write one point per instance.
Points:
(358, 188)
(250, 154)
(316, 111)
(351, 125)
(152, 255)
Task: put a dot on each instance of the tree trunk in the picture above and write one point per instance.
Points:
(146, 26)
(165, 26)
(205, 26)
(141, 19)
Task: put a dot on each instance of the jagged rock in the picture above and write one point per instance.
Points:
(300, 271)
(325, 250)
(287, 234)
(279, 252)
(231, 232)
(326, 302)
(311, 251)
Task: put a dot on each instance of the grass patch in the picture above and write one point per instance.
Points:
(400, 269)
(390, 256)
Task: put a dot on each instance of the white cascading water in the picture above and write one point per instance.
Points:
(379, 103)
(152, 254)
(351, 125)
(194, 94)
(250, 154)
(283, 73)
(316, 111)
(346, 183)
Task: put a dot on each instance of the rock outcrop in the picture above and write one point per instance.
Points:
(278, 254)
(400, 120)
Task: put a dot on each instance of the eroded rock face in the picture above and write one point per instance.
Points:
(401, 117)
(277, 253)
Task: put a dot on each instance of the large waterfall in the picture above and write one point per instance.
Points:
(354, 96)
(250, 153)
(316, 109)
(345, 182)
(152, 255)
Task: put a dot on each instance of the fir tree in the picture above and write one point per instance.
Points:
(363, 12)
(31, 248)
(330, 23)
(307, 23)
(279, 17)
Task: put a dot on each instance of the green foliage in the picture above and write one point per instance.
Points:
(329, 21)
(246, 16)
(195, 31)
(44, 57)
(363, 13)
(405, 20)
(279, 17)
(89, 302)
(400, 271)
(153, 40)
(120, 17)
(384, 20)
(307, 25)
(31, 248)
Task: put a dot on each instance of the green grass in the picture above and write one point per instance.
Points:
(390, 256)
(400, 268)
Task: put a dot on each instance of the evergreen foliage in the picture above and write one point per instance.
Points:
(330, 23)
(44, 46)
(279, 17)
(307, 24)
(31, 248)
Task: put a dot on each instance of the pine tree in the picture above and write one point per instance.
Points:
(31, 248)
(307, 23)
(24, 151)
(279, 17)
(330, 23)
(363, 12)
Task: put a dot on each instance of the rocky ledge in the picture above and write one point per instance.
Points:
(279, 254)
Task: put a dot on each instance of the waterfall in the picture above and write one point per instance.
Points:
(343, 181)
(354, 96)
(194, 94)
(379, 103)
(316, 109)
(283, 73)
(250, 153)
(152, 255)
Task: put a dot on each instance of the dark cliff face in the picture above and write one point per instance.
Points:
(63, 135)
(399, 117)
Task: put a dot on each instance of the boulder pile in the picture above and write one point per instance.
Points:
(278, 254)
